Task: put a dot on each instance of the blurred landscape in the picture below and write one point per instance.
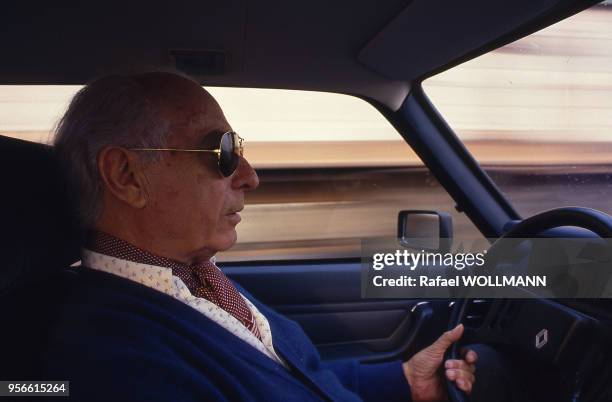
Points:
(308, 214)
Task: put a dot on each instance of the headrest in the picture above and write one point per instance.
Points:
(38, 236)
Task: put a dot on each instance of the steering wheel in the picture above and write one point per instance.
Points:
(597, 222)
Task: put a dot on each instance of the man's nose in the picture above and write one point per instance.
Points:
(245, 177)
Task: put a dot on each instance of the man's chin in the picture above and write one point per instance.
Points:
(226, 241)
(217, 243)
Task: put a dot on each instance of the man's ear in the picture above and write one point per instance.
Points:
(121, 171)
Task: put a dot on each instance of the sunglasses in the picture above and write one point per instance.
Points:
(228, 154)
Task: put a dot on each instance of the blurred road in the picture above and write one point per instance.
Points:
(325, 213)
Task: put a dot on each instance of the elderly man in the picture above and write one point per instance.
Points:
(160, 180)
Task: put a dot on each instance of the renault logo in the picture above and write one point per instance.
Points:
(541, 339)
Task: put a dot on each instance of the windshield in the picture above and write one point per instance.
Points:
(537, 113)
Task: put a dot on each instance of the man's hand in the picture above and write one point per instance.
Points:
(424, 372)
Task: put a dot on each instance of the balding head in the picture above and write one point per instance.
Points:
(172, 92)
(181, 101)
(126, 110)
(171, 203)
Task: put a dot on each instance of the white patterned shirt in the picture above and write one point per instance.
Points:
(161, 279)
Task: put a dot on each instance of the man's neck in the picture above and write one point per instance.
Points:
(153, 246)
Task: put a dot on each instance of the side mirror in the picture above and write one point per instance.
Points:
(426, 230)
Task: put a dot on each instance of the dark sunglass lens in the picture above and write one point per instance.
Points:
(228, 159)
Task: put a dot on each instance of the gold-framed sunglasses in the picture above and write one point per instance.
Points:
(228, 154)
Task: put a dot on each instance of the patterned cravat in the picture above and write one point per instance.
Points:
(203, 280)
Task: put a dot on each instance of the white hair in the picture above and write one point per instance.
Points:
(112, 110)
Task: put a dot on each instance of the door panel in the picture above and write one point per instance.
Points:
(325, 299)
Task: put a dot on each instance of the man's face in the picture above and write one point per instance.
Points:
(191, 205)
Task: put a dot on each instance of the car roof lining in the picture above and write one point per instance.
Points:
(268, 44)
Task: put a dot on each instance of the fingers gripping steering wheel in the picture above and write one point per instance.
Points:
(597, 222)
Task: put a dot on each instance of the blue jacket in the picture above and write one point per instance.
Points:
(117, 340)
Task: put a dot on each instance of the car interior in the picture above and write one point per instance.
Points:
(380, 52)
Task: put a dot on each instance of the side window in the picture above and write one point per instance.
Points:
(537, 113)
(332, 170)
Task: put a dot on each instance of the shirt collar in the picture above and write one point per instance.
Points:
(156, 277)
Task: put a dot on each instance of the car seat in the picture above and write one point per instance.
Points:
(39, 241)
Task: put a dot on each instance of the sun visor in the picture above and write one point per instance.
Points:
(428, 35)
